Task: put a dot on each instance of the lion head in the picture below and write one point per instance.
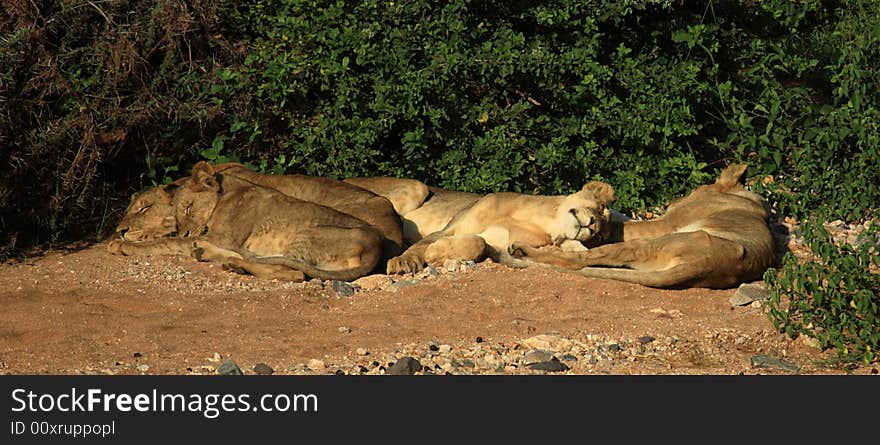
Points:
(584, 216)
(195, 201)
(150, 214)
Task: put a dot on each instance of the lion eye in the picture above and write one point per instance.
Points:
(144, 209)
(188, 209)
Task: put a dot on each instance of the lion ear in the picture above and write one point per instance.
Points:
(732, 175)
(204, 177)
(602, 191)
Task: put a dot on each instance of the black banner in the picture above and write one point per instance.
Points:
(137, 409)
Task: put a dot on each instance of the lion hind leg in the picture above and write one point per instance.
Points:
(682, 275)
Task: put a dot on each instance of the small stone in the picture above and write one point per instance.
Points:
(646, 339)
(361, 351)
(811, 341)
(451, 265)
(342, 288)
(143, 368)
(614, 347)
(466, 363)
(569, 358)
(444, 349)
(433, 348)
(748, 293)
(398, 285)
(263, 369)
(536, 356)
(479, 339)
(215, 358)
(756, 305)
(137, 355)
(373, 282)
(547, 342)
(405, 366)
(229, 367)
(315, 365)
(344, 329)
(766, 361)
(553, 365)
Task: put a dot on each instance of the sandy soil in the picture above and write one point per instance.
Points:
(86, 311)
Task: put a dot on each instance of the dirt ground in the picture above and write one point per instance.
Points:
(86, 311)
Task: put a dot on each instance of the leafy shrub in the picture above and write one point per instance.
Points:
(835, 299)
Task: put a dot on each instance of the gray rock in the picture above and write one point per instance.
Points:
(747, 293)
(614, 347)
(537, 356)
(569, 358)
(342, 288)
(646, 339)
(263, 369)
(766, 361)
(553, 365)
(229, 367)
(405, 366)
(398, 285)
(466, 363)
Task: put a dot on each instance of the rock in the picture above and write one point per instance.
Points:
(405, 366)
(344, 329)
(811, 341)
(263, 369)
(428, 272)
(137, 355)
(569, 358)
(433, 348)
(479, 339)
(614, 347)
(546, 342)
(444, 349)
(537, 356)
(373, 282)
(646, 339)
(451, 265)
(342, 288)
(215, 358)
(553, 365)
(747, 293)
(143, 368)
(361, 351)
(315, 365)
(466, 363)
(229, 367)
(398, 285)
(766, 361)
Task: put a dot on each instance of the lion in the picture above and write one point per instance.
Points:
(347, 198)
(422, 209)
(716, 237)
(489, 225)
(247, 227)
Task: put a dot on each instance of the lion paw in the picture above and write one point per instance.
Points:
(115, 247)
(519, 250)
(404, 264)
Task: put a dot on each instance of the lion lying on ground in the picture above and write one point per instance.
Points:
(423, 210)
(489, 225)
(716, 237)
(224, 218)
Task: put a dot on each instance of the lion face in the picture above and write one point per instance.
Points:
(584, 216)
(150, 215)
(194, 207)
(195, 201)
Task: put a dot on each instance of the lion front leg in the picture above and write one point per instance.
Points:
(162, 246)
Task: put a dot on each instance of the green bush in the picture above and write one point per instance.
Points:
(834, 298)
